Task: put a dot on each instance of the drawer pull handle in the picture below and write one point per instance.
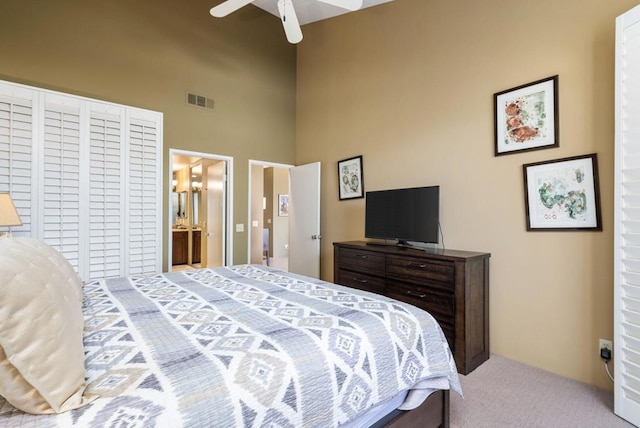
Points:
(419, 266)
(364, 257)
(411, 293)
(361, 281)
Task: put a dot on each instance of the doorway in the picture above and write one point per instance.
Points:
(200, 208)
(300, 206)
(268, 235)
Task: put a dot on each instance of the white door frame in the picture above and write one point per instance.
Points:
(228, 252)
(263, 164)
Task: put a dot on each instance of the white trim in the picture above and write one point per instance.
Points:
(37, 158)
(160, 154)
(85, 189)
(228, 239)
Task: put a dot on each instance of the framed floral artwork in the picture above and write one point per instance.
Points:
(350, 178)
(283, 205)
(526, 117)
(563, 194)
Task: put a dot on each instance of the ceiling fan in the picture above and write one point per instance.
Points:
(287, 13)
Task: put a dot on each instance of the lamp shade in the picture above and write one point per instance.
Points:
(8, 214)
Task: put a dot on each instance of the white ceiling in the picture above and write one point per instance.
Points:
(312, 10)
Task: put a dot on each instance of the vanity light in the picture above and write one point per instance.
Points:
(8, 214)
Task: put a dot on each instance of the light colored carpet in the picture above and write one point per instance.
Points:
(506, 393)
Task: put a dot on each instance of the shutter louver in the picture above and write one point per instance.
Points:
(144, 188)
(16, 159)
(105, 206)
(627, 219)
(67, 162)
(61, 182)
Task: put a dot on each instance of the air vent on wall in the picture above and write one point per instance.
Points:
(199, 101)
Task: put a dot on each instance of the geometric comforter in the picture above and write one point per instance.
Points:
(249, 346)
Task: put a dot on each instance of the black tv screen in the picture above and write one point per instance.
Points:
(403, 214)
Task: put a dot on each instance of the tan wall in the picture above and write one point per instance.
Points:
(257, 213)
(148, 54)
(280, 224)
(267, 212)
(409, 85)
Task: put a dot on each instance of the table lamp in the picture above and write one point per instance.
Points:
(8, 214)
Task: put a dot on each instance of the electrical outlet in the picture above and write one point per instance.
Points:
(605, 344)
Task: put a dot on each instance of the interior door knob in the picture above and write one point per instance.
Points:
(316, 236)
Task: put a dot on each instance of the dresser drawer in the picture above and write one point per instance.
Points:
(441, 304)
(417, 270)
(361, 261)
(361, 281)
(452, 285)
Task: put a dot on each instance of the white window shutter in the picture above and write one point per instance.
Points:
(16, 153)
(61, 189)
(144, 192)
(106, 195)
(627, 218)
(85, 176)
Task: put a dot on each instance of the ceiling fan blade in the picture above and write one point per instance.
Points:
(290, 21)
(345, 4)
(225, 8)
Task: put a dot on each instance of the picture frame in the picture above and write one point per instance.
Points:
(283, 205)
(526, 117)
(563, 194)
(350, 178)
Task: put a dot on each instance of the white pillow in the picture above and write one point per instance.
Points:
(41, 326)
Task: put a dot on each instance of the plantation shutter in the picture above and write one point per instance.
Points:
(85, 176)
(144, 194)
(61, 193)
(16, 153)
(106, 219)
(627, 218)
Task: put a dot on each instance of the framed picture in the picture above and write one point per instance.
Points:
(526, 117)
(563, 194)
(350, 178)
(283, 205)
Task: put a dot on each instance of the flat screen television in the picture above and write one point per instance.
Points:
(403, 215)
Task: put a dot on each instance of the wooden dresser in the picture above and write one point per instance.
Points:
(451, 285)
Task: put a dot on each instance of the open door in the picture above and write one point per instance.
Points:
(304, 220)
(214, 236)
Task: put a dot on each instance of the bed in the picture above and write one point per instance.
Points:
(245, 345)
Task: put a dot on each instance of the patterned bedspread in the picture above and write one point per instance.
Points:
(246, 346)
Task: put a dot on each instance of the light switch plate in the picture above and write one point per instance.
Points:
(240, 227)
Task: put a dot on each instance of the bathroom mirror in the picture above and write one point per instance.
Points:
(196, 193)
(179, 206)
(196, 207)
